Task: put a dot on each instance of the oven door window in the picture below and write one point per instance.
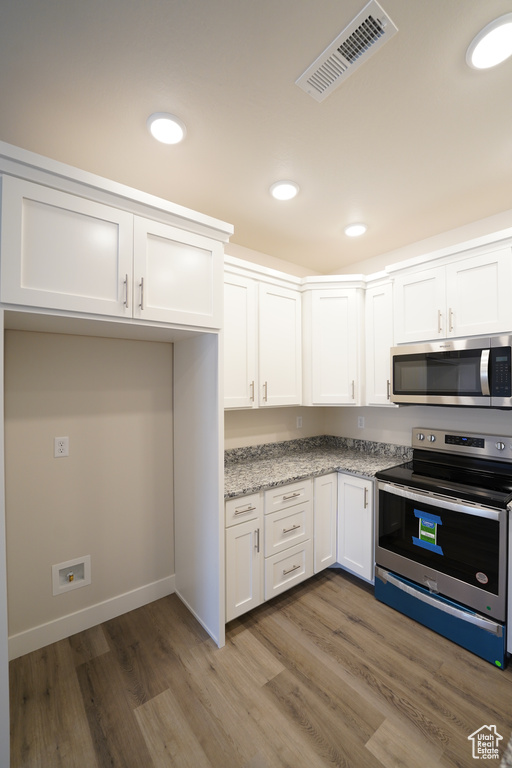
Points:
(460, 545)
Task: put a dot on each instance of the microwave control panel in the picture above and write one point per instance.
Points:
(500, 372)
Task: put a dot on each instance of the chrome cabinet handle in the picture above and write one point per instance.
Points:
(243, 511)
(293, 528)
(388, 389)
(439, 321)
(450, 315)
(142, 293)
(125, 283)
(257, 545)
(353, 389)
(251, 387)
(265, 390)
(293, 568)
(291, 495)
(365, 497)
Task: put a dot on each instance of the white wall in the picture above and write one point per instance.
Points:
(270, 425)
(389, 425)
(394, 425)
(111, 498)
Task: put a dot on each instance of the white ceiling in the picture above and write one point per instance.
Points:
(414, 142)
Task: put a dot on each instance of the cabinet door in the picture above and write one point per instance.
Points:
(325, 507)
(355, 525)
(420, 302)
(478, 291)
(334, 347)
(60, 251)
(280, 360)
(240, 329)
(244, 568)
(379, 340)
(177, 275)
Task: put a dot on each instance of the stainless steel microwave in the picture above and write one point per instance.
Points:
(470, 372)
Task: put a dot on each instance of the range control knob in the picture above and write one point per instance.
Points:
(431, 438)
(500, 446)
(420, 436)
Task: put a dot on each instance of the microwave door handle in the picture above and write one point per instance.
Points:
(484, 372)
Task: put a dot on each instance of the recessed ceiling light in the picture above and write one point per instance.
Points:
(166, 128)
(355, 230)
(492, 45)
(284, 190)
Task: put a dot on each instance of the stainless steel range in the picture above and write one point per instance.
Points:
(441, 537)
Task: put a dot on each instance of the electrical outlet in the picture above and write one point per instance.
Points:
(61, 447)
(360, 422)
(299, 422)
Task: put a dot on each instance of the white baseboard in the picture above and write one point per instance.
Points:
(58, 629)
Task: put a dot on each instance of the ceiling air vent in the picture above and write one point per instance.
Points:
(365, 34)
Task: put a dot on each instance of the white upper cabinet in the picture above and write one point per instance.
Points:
(469, 296)
(64, 252)
(177, 275)
(379, 340)
(333, 327)
(262, 339)
(280, 353)
(240, 341)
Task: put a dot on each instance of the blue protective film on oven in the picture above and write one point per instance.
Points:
(427, 545)
(427, 535)
(428, 516)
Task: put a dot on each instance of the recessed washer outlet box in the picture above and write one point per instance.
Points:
(71, 575)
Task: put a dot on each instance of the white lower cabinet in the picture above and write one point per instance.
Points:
(244, 554)
(288, 568)
(355, 525)
(325, 512)
(267, 553)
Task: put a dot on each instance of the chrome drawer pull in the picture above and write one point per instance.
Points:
(257, 545)
(142, 293)
(243, 511)
(293, 568)
(291, 496)
(293, 528)
(251, 398)
(126, 297)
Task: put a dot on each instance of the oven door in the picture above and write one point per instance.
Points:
(451, 547)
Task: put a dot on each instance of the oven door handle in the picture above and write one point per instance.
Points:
(438, 500)
(442, 605)
(484, 372)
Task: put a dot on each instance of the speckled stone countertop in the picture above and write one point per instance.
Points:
(248, 470)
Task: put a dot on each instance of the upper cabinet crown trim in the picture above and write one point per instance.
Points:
(449, 252)
(24, 164)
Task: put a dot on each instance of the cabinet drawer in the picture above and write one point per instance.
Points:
(288, 527)
(288, 495)
(288, 568)
(243, 508)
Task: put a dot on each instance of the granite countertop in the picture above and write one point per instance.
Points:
(249, 470)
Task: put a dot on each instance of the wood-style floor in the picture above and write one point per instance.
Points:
(321, 676)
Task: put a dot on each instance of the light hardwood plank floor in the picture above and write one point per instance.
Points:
(323, 675)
